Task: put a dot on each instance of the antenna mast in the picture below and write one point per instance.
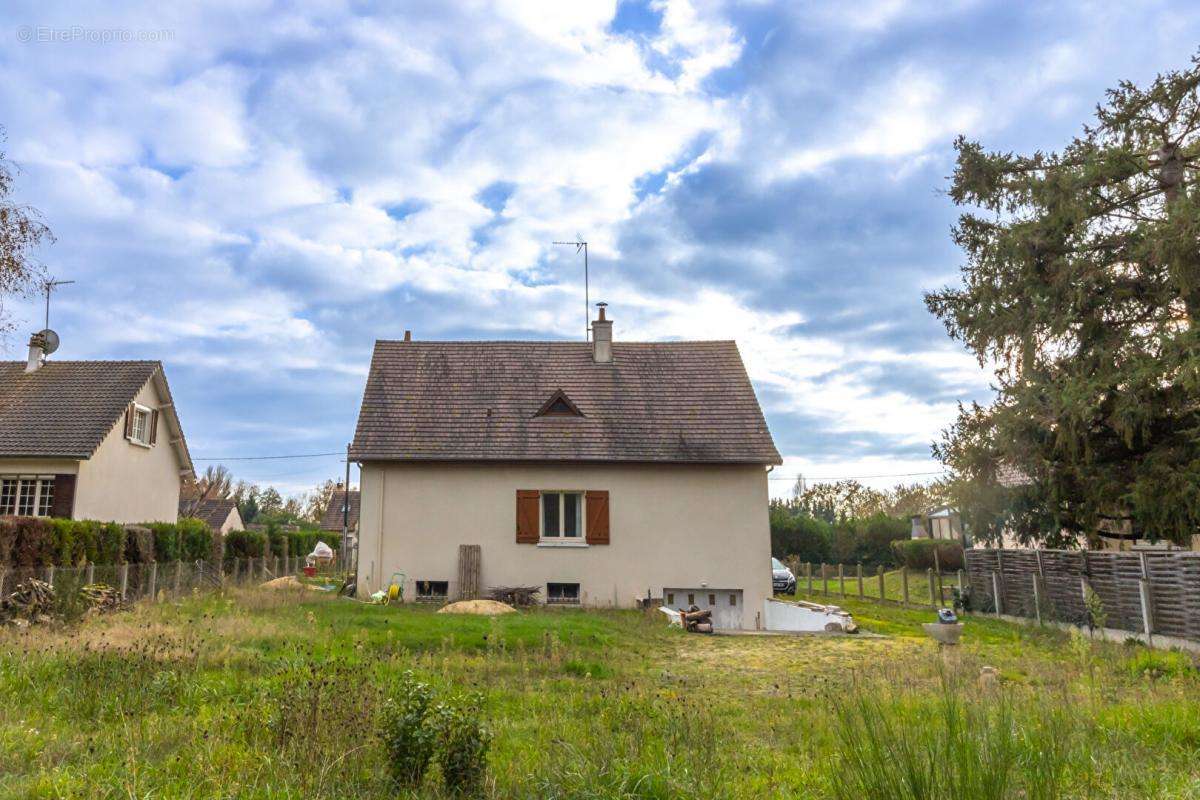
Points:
(48, 286)
(579, 244)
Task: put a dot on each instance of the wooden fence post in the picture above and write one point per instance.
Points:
(153, 579)
(199, 573)
(842, 579)
(808, 571)
(932, 588)
(860, 583)
(50, 575)
(178, 575)
(91, 573)
(996, 593)
(824, 583)
(904, 583)
(881, 589)
(1037, 599)
(124, 573)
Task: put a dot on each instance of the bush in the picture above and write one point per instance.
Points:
(70, 542)
(918, 553)
(408, 733)
(463, 742)
(31, 542)
(795, 533)
(278, 540)
(139, 544)
(245, 544)
(166, 541)
(195, 540)
(40, 542)
(868, 540)
(301, 543)
(110, 542)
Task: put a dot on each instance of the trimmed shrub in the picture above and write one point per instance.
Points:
(70, 542)
(110, 544)
(166, 541)
(918, 553)
(278, 539)
(33, 542)
(139, 544)
(40, 542)
(195, 539)
(245, 544)
(301, 543)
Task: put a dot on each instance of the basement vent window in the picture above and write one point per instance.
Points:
(562, 593)
(432, 591)
(26, 495)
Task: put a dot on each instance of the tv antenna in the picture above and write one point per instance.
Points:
(48, 286)
(579, 244)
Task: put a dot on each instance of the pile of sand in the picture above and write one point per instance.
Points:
(488, 608)
(286, 582)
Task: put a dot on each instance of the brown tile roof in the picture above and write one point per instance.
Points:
(331, 520)
(66, 408)
(212, 513)
(657, 402)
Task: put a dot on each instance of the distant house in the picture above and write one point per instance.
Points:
(221, 516)
(598, 472)
(942, 522)
(89, 440)
(342, 509)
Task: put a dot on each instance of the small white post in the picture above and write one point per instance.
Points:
(124, 573)
(1037, 599)
(996, 593)
(91, 573)
(153, 579)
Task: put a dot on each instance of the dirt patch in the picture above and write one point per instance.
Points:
(487, 608)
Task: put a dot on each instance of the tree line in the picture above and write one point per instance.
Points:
(258, 504)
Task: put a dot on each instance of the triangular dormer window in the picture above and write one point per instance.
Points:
(559, 405)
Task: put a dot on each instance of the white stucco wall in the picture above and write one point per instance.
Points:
(125, 482)
(695, 526)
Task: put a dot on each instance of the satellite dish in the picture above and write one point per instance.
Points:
(51, 341)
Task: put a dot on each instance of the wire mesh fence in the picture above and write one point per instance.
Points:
(154, 580)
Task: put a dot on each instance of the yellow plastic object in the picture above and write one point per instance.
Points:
(395, 589)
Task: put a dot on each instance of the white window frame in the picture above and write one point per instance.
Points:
(39, 484)
(146, 413)
(558, 540)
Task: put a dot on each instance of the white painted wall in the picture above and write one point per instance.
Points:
(670, 525)
(125, 482)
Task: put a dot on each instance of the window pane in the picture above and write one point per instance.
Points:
(25, 498)
(550, 526)
(46, 497)
(8, 496)
(571, 514)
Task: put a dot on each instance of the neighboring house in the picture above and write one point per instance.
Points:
(942, 522)
(342, 510)
(599, 473)
(89, 440)
(221, 516)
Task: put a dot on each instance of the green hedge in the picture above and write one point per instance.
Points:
(41, 542)
(245, 544)
(301, 543)
(918, 553)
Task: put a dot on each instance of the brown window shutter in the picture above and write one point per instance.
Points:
(597, 517)
(129, 421)
(64, 496)
(527, 516)
(154, 426)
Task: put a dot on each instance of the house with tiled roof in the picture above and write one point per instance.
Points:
(342, 510)
(89, 440)
(221, 515)
(599, 472)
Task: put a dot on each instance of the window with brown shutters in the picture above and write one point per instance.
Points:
(597, 517)
(527, 516)
(64, 496)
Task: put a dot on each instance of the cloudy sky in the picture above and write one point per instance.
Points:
(254, 193)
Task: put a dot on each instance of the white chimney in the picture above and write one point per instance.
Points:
(37, 345)
(602, 338)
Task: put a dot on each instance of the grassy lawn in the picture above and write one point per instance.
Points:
(893, 587)
(277, 695)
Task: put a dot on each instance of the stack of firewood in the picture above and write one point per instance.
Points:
(697, 621)
(32, 598)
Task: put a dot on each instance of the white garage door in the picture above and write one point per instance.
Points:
(726, 604)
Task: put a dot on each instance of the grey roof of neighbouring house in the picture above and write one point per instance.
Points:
(212, 512)
(686, 402)
(331, 520)
(66, 408)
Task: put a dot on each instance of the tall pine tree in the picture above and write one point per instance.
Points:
(1082, 290)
